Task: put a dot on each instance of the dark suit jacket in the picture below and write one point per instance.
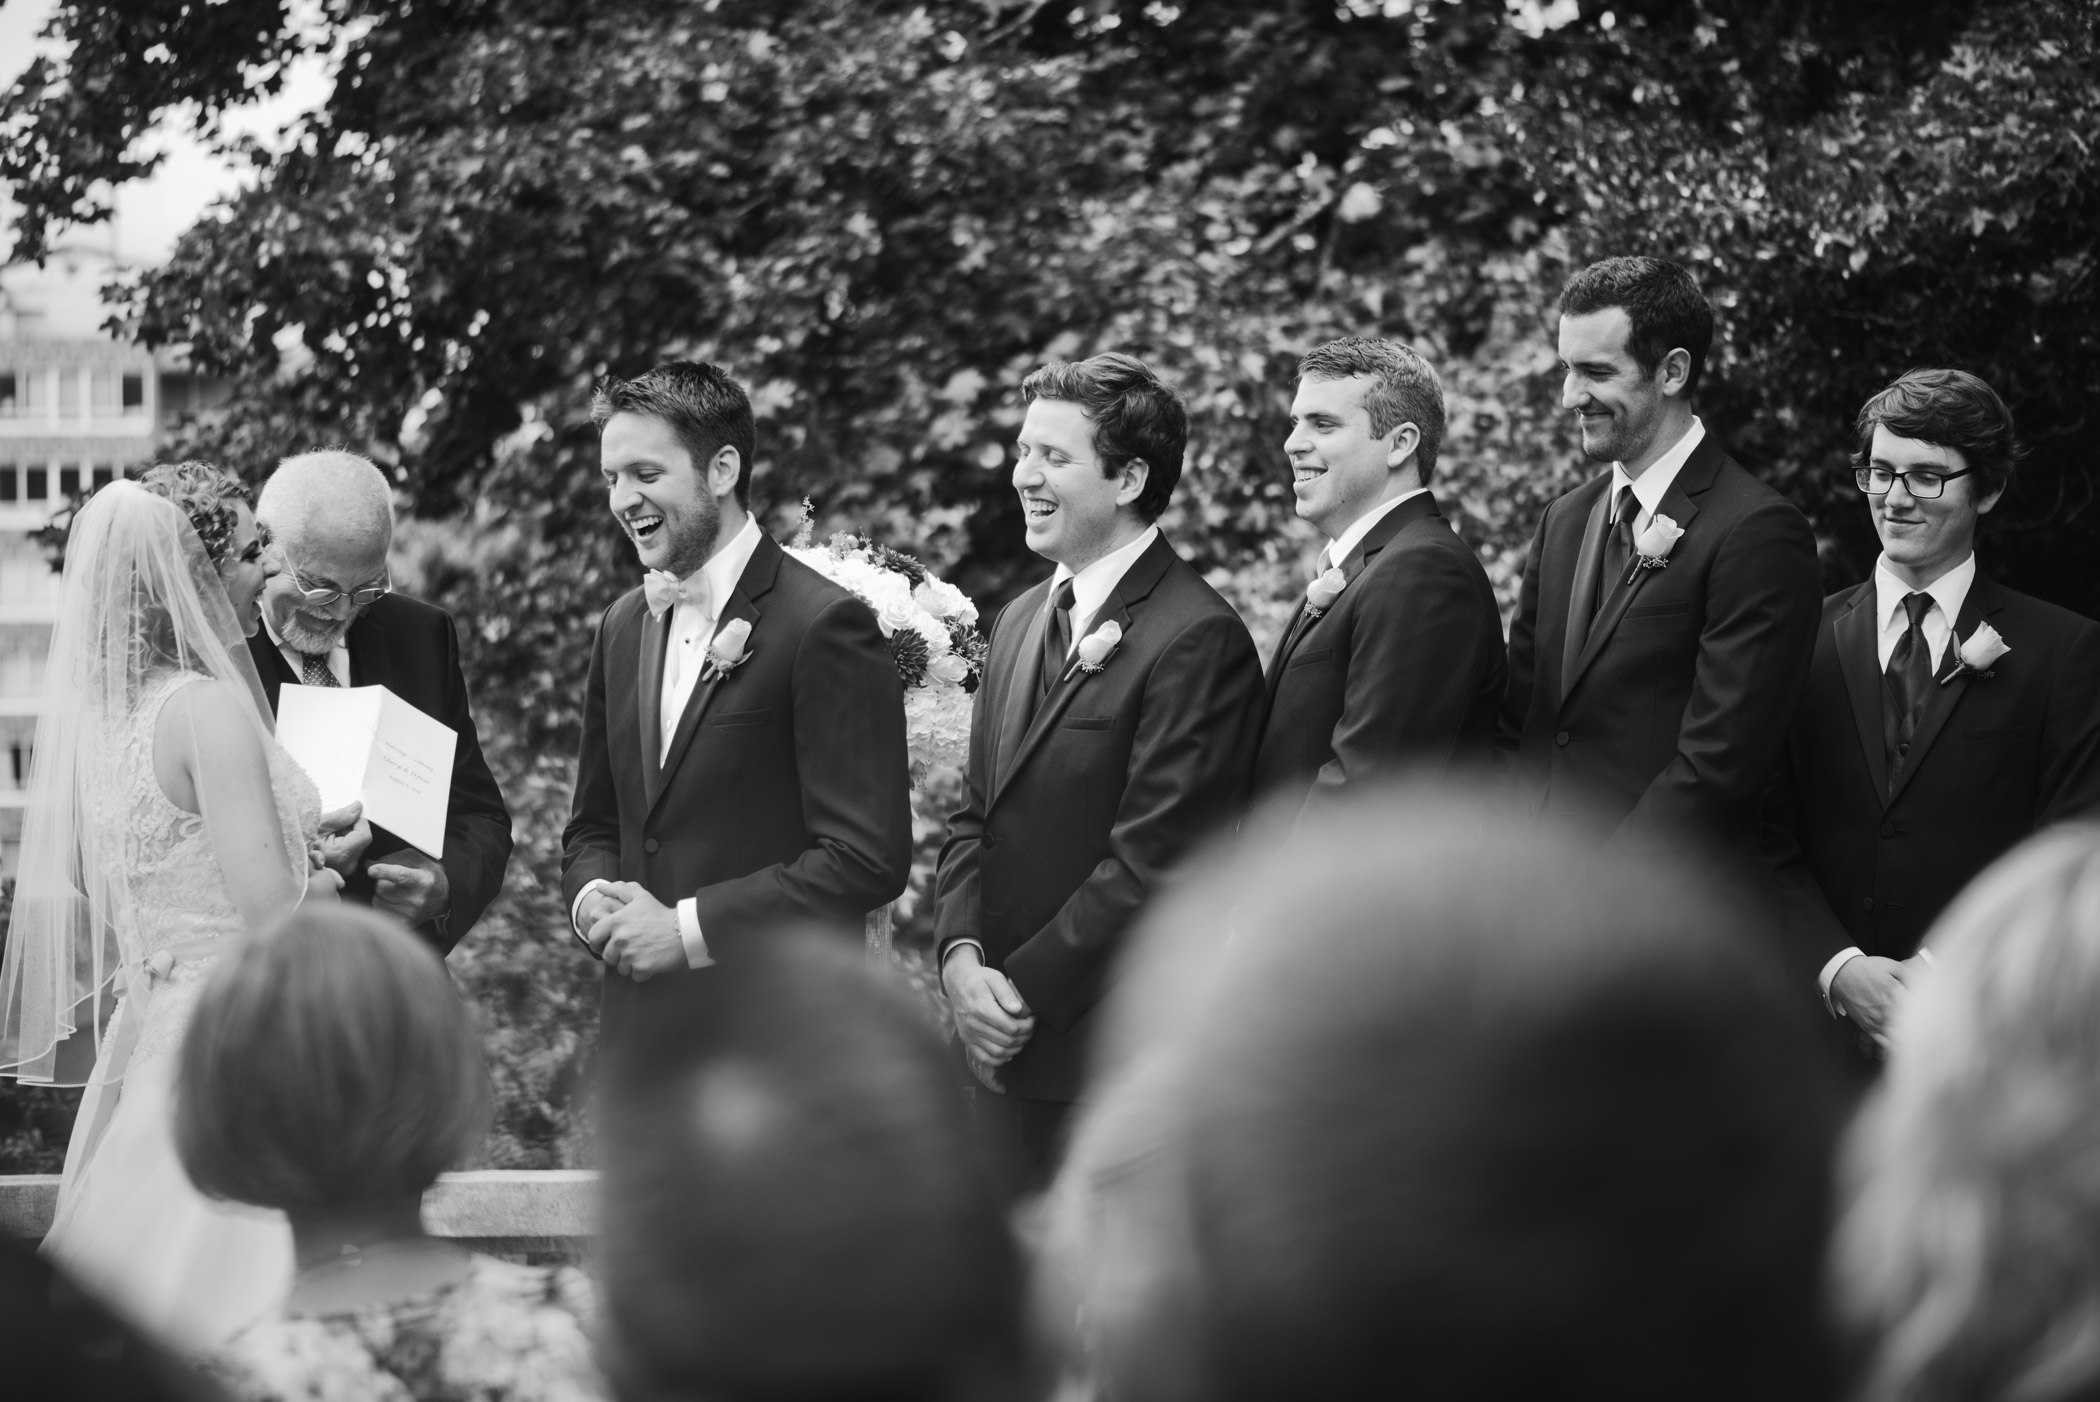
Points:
(412, 649)
(786, 797)
(1994, 759)
(1668, 713)
(1407, 666)
(1069, 820)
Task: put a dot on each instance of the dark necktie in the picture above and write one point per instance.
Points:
(314, 671)
(1618, 546)
(1909, 682)
(1057, 638)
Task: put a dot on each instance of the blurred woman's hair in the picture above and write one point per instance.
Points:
(329, 1066)
(1966, 1250)
(1412, 1097)
(208, 495)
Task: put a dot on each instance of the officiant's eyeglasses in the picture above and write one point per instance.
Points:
(328, 598)
(1924, 483)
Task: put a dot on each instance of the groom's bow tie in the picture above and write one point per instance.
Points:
(664, 589)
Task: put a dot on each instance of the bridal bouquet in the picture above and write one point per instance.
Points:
(932, 630)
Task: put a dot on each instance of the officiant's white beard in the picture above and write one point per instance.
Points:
(307, 638)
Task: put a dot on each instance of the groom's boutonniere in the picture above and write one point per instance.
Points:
(1979, 652)
(1096, 648)
(1652, 545)
(1324, 590)
(727, 652)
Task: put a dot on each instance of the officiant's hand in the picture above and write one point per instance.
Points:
(1868, 989)
(641, 938)
(409, 886)
(344, 835)
(990, 1015)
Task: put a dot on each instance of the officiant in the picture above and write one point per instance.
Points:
(330, 618)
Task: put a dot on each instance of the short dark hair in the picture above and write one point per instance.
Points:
(707, 409)
(1407, 389)
(1136, 415)
(1950, 408)
(1665, 305)
(329, 1065)
(1448, 1108)
(207, 494)
(794, 1203)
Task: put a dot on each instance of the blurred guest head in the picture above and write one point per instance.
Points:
(1098, 455)
(330, 515)
(329, 1069)
(1972, 1177)
(1634, 333)
(794, 1206)
(217, 504)
(1934, 453)
(1424, 1102)
(1365, 425)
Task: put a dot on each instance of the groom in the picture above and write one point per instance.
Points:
(743, 763)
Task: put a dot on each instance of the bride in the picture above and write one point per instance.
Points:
(163, 821)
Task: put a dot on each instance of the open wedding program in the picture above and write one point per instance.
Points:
(365, 743)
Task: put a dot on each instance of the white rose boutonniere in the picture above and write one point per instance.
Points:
(1096, 648)
(1652, 545)
(728, 651)
(1323, 591)
(1980, 652)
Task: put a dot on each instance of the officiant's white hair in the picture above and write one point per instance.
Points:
(331, 489)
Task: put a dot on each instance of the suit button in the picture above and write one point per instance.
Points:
(650, 845)
(1888, 829)
(990, 842)
(1561, 739)
(1866, 903)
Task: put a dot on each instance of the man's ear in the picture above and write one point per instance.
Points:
(1990, 502)
(1675, 372)
(1130, 482)
(722, 470)
(1405, 442)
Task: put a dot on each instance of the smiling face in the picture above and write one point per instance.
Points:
(1621, 410)
(1338, 469)
(669, 507)
(1075, 512)
(1924, 537)
(348, 562)
(248, 566)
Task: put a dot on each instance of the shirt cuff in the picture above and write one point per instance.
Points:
(696, 955)
(941, 972)
(576, 905)
(1830, 971)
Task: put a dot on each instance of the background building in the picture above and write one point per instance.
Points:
(77, 409)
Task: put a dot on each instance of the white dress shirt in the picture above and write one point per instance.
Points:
(1092, 585)
(1949, 592)
(1338, 549)
(338, 656)
(1651, 486)
(692, 626)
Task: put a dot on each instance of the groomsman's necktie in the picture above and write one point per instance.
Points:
(314, 669)
(1909, 680)
(1057, 638)
(1618, 546)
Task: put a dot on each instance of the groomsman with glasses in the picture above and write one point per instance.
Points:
(1946, 717)
(1114, 730)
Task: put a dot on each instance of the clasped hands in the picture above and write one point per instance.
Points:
(631, 930)
(1867, 989)
(991, 1016)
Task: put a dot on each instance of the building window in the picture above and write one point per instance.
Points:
(36, 394)
(69, 481)
(37, 481)
(102, 394)
(7, 482)
(7, 394)
(134, 392)
(102, 478)
(68, 393)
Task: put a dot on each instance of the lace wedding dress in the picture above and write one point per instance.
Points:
(129, 1225)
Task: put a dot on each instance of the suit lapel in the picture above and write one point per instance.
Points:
(271, 664)
(1301, 624)
(1023, 680)
(1692, 480)
(755, 583)
(1358, 560)
(649, 692)
(1983, 601)
(371, 663)
(1859, 663)
(1582, 593)
(1137, 582)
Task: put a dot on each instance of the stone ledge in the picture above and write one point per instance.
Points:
(486, 1204)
